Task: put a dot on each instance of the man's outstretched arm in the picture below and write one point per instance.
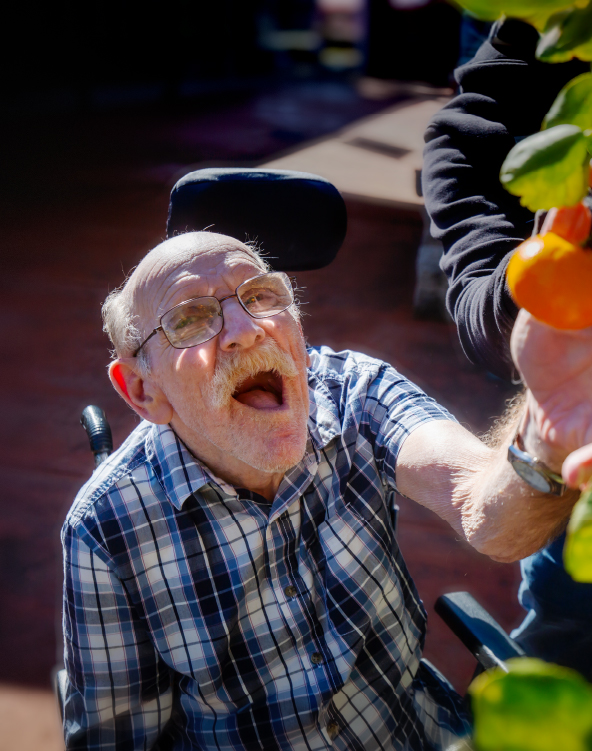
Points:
(473, 486)
(475, 489)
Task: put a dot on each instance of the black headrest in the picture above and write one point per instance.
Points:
(297, 218)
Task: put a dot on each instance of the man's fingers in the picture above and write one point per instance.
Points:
(577, 468)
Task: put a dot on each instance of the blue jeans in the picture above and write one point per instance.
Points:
(558, 627)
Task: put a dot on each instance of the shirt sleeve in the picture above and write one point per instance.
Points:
(503, 96)
(478, 225)
(120, 692)
(395, 408)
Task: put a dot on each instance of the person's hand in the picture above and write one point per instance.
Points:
(556, 366)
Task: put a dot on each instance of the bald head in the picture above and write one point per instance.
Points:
(130, 308)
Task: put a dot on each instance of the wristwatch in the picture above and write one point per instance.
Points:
(533, 471)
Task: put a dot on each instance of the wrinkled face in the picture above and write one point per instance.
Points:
(243, 392)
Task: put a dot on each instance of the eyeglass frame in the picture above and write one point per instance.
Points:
(221, 313)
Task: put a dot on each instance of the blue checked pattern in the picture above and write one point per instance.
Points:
(197, 615)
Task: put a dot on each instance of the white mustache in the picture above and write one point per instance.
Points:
(234, 368)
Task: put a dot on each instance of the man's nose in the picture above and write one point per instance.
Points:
(240, 330)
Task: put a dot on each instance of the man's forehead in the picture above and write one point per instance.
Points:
(201, 249)
(208, 262)
(187, 257)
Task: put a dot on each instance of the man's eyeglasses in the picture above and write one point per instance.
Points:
(200, 319)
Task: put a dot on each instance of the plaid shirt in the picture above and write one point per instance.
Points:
(199, 615)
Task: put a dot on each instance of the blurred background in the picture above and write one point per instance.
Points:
(105, 105)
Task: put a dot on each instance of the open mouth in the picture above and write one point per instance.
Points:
(262, 391)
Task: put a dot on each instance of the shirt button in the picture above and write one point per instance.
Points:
(316, 658)
(333, 730)
(290, 591)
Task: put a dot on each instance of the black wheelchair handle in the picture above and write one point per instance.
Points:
(94, 421)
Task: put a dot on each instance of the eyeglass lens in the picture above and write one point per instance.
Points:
(195, 321)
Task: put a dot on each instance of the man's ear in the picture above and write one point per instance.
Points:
(143, 395)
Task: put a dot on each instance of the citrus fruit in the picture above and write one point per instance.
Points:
(572, 223)
(552, 279)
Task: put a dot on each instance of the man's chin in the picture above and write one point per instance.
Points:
(272, 451)
(269, 438)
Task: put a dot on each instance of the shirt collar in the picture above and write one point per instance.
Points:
(182, 475)
(179, 472)
(323, 415)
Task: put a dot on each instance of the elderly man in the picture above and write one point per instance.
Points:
(233, 580)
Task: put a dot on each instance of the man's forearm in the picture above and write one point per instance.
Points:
(503, 516)
(476, 490)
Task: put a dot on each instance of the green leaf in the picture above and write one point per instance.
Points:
(536, 706)
(567, 35)
(525, 8)
(573, 104)
(491, 10)
(548, 168)
(577, 552)
(484, 10)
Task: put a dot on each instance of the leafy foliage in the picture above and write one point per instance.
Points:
(577, 553)
(573, 105)
(566, 25)
(548, 168)
(536, 706)
(490, 10)
(567, 35)
(551, 168)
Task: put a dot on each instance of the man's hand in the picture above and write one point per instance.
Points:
(556, 366)
(577, 468)
(474, 487)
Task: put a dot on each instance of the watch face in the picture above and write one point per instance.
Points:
(532, 476)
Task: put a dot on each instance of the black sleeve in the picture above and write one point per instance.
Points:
(504, 93)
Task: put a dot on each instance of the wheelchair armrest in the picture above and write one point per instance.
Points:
(478, 631)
